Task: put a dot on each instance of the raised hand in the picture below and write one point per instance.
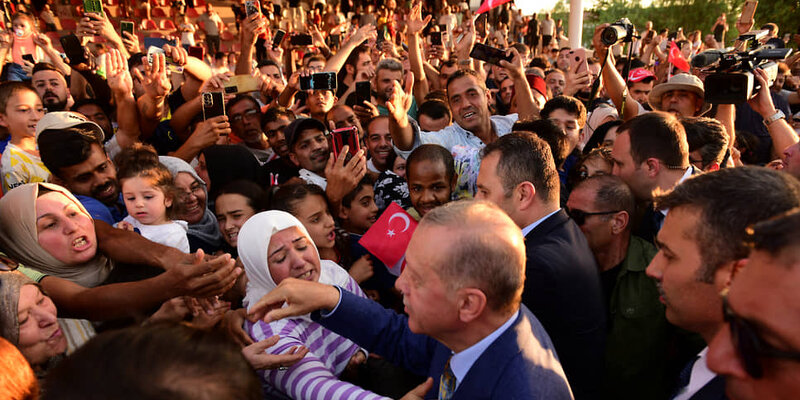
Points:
(515, 68)
(117, 75)
(253, 26)
(216, 83)
(414, 21)
(464, 39)
(155, 80)
(401, 99)
(201, 278)
(131, 42)
(177, 53)
(343, 176)
(366, 32)
(43, 41)
(209, 132)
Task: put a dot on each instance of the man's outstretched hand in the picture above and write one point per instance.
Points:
(301, 297)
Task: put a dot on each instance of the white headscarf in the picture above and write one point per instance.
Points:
(253, 242)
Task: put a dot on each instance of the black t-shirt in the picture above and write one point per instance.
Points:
(609, 279)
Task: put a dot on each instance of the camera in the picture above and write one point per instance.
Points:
(621, 31)
(732, 80)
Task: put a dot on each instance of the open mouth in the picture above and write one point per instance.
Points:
(305, 275)
(469, 114)
(233, 236)
(331, 236)
(80, 244)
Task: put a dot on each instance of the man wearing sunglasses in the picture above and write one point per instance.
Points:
(562, 286)
(702, 243)
(244, 114)
(758, 348)
(636, 364)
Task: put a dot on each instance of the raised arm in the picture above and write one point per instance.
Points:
(363, 33)
(121, 85)
(780, 131)
(156, 87)
(526, 107)
(252, 26)
(415, 24)
(613, 82)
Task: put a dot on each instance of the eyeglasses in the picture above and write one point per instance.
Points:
(579, 216)
(7, 264)
(249, 114)
(749, 345)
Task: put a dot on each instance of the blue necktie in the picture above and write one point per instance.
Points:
(447, 383)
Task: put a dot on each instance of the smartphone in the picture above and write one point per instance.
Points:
(748, 11)
(276, 9)
(93, 6)
(29, 58)
(319, 81)
(241, 84)
(278, 38)
(251, 7)
(345, 136)
(489, 54)
(381, 36)
(335, 40)
(294, 3)
(73, 49)
(213, 104)
(157, 42)
(442, 27)
(436, 38)
(301, 39)
(577, 59)
(171, 66)
(363, 93)
(197, 52)
(126, 26)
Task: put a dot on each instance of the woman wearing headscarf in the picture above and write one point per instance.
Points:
(47, 230)
(28, 319)
(273, 246)
(219, 165)
(203, 228)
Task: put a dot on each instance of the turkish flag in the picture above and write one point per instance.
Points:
(388, 237)
(490, 4)
(676, 58)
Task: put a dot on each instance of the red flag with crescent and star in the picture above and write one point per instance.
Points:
(676, 58)
(388, 237)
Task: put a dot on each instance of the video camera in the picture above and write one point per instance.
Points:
(621, 31)
(733, 81)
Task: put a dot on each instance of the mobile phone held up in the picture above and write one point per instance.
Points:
(197, 52)
(241, 84)
(345, 136)
(577, 59)
(251, 7)
(278, 38)
(29, 58)
(436, 38)
(73, 49)
(126, 26)
(319, 81)
(489, 54)
(93, 6)
(301, 39)
(213, 104)
(363, 93)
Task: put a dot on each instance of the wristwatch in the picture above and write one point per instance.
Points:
(778, 115)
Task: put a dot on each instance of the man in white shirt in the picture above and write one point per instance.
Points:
(212, 26)
(702, 245)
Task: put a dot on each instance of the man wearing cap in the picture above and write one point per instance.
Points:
(72, 148)
(309, 150)
(640, 84)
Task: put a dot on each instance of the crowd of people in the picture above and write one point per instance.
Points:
(587, 222)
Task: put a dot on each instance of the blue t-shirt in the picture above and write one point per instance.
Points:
(98, 210)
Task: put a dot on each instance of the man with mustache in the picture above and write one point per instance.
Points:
(281, 168)
(71, 147)
(52, 87)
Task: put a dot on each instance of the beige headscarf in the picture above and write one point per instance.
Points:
(19, 238)
(11, 284)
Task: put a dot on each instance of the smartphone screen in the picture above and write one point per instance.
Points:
(436, 38)
(301, 39)
(345, 136)
(251, 7)
(278, 38)
(73, 49)
(489, 54)
(363, 93)
(126, 26)
(28, 58)
(213, 104)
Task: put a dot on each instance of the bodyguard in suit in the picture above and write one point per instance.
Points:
(701, 247)
(562, 284)
(466, 328)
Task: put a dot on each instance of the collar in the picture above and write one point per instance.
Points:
(526, 230)
(699, 377)
(686, 175)
(462, 361)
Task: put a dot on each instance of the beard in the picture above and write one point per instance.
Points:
(53, 103)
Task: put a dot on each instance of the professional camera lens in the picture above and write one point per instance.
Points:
(613, 34)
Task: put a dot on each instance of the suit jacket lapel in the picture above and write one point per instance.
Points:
(548, 225)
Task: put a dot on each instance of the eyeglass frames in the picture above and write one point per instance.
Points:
(579, 216)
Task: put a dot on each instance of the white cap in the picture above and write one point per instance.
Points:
(59, 120)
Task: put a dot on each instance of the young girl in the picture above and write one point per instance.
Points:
(150, 197)
(23, 32)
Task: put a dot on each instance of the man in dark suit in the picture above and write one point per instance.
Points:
(701, 246)
(562, 285)
(466, 328)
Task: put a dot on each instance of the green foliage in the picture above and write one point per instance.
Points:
(689, 14)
